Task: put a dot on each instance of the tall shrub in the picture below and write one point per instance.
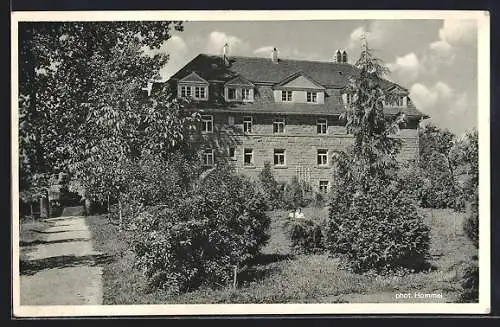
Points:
(273, 191)
(201, 238)
(470, 282)
(373, 226)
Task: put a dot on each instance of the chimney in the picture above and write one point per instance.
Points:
(274, 55)
(337, 57)
(344, 57)
(225, 58)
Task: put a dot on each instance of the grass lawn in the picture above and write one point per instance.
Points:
(279, 277)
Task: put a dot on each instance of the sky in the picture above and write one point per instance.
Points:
(436, 60)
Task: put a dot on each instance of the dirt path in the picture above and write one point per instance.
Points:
(62, 266)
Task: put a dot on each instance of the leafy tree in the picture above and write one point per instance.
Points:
(373, 224)
(81, 106)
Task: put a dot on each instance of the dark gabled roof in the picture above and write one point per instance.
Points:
(263, 70)
(260, 70)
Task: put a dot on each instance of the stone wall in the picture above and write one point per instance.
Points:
(300, 142)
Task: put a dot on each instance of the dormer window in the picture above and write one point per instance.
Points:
(299, 88)
(400, 100)
(231, 93)
(312, 97)
(185, 91)
(239, 89)
(193, 86)
(245, 94)
(286, 96)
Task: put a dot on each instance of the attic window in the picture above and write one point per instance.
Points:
(400, 101)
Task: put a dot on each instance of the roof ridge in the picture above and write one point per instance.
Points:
(287, 59)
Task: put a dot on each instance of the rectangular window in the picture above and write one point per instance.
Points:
(279, 157)
(230, 120)
(188, 91)
(323, 186)
(245, 94)
(311, 97)
(321, 125)
(199, 92)
(349, 98)
(208, 157)
(232, 155)
(286, 96)
(248, 157)
(247, 124)
(207, 124)
(322, 157)
(279, 125)
(183, 91)
(231, 93)
(400, 101)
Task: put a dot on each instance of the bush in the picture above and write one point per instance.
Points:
(297, 194)
(378, 230)
(201, 237)
(411, 182)
(471, 224)
(470, 284)
(305, 235)
(273, 191)
(439, 190)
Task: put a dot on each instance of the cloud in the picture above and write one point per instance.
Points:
(265, 50)
(378, 33)
(217, 39)
(177, 50)
(453, 34)
(458, 31)
(407, 67)
(446, 107)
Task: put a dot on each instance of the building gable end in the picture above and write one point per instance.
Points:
(239, 81)
(299, 81)
(193, 78)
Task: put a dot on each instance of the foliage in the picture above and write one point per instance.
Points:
(305, 234)
(470, 284)
(438, 166)
(469, 154)
(373, 224)
(81, 105)
(379, 229)
(273, 190)
(199, 239)
(296, 194)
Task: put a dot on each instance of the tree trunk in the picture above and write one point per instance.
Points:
(43, 208)
(120, 216)
(32, 213)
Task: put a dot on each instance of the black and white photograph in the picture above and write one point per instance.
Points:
(250, 162)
